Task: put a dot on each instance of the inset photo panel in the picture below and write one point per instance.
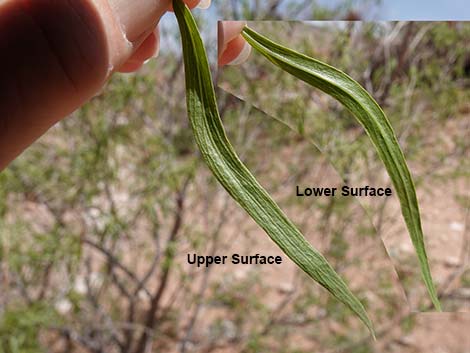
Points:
(387, 105)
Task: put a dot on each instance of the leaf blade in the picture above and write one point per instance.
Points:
(224, 163)
(369, 114)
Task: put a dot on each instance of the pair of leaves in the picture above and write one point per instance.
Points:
(369, 114)
(224, 163)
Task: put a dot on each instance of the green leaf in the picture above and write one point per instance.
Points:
(236, 178)
(366, 110)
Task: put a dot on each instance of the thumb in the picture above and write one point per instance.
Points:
(55, 55)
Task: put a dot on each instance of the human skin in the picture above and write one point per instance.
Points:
(232, 48)
(58, 54)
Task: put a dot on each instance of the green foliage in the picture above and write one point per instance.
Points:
(20, 328)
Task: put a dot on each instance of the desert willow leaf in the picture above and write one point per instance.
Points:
(366, 110)
(236, 178)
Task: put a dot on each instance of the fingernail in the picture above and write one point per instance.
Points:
(204, 4)
(157, 48)
(243, 56)
(153, 57)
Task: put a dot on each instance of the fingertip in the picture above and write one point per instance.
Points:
(147, 50)
(236, 52)
(227, 32)
(151, 46)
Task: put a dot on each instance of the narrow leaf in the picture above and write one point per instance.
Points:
(366, 110)
(236, 178)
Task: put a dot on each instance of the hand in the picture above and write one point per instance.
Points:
(232, 47)
(56, 55)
